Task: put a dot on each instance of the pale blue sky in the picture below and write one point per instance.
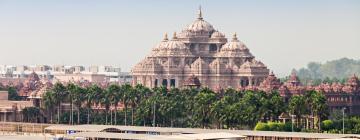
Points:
(284, 34)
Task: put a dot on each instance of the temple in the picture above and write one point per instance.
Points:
(200, 51)
(339, 96)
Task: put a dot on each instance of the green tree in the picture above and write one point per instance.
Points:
(139, 93)
(297, 106)
(318, 107)
(105, 101)
(60, 94)
(13, 94)
(126, 96)
(203, 103)
(71, 91)
(49, 103)
(275, 105)
(92, 97)
(250, 108)
(115, 98)
(79, 97)
(31, 114)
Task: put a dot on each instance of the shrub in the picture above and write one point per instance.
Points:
(261, 127)
(327, 125)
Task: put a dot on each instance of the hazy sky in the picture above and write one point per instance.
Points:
(284, 34)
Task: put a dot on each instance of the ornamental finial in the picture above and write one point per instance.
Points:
(174, 36)
(166, 37)
(235, 36)
(200, 13)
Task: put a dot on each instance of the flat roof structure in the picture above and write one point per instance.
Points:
(176, 131)
(131, 136)
(107, 135)
(201, 136)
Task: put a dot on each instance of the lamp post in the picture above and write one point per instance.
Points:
(292, 122)
(154, 117)
(343, 120)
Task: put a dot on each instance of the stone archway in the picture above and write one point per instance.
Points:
(244, 81)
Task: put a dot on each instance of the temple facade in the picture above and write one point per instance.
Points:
(202, 52)
(339, 96)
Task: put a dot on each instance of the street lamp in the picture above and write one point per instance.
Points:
(343, 120)
(154, 117)
(292, 122)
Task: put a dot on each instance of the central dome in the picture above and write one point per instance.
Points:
(200, 25)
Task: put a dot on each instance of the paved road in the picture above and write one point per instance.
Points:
(23, 137)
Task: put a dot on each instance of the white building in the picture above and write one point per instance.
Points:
(67, 73)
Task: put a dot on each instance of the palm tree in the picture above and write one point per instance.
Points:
(132, 99)
(71, 89)
(297, 106)
(31, 114)
(116, 95)
(173, 106)
(49, 103)
(127, 92)
(218, 110)
(319, 107)
(91, 98)
(78, 99)
(203, 102)
(274, 105)
(105, 100)
(156, 99)
(140, 92)
(59, 96)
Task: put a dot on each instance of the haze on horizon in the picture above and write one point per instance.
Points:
(284, 34)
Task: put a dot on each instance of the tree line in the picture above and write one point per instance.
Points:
(329, 72)
(188, 107)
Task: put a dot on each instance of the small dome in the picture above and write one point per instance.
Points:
(235, 44)
(217, 34)
(174, 47)
(157, 48)
(234, 48)
(174, 43)
(252, 64)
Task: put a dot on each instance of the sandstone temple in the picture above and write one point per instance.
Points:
(202, 54)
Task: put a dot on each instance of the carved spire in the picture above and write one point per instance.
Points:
(234, 37)
(174, 36)
(166, 37)
(200, 13)
(272, 73)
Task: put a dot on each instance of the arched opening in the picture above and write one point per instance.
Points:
(213, 48)
(244, 82)
(112, 130)
(156, 83)
(172, 82)
(164, 82)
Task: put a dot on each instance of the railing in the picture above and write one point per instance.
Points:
(22, 128)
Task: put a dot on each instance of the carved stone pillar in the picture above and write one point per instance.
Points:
(250, 81)
(150, 81)
(168, 83)
(134, 80)
(256, 81)
(143, 79)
